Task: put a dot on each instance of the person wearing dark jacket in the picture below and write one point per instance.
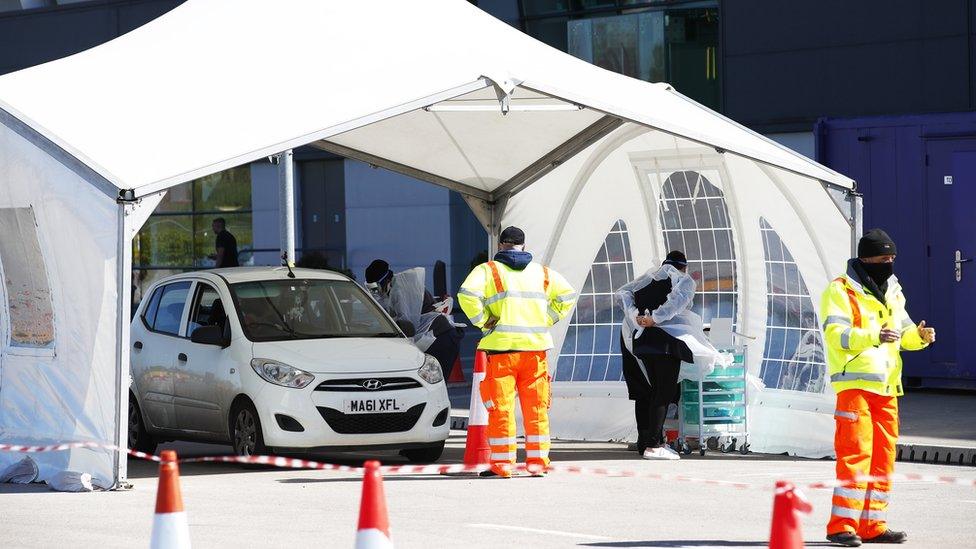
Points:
(651, 356)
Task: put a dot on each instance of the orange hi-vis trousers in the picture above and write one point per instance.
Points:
(526, 372)
(867, 430)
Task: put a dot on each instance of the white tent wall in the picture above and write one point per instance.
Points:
(68, 390)
(568, 214)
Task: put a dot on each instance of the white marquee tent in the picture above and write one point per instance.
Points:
(529, 135)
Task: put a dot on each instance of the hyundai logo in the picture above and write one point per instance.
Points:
(372, 384)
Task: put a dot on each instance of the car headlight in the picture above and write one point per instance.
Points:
(281, 374)
(431, 370)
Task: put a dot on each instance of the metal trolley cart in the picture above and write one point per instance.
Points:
(713, 410)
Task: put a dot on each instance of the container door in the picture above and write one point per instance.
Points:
(951, 192)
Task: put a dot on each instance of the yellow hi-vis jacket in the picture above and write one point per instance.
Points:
(852, 323)
(523, 303)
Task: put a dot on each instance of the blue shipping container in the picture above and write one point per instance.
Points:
(918, 176)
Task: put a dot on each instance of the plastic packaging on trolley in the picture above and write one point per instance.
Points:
(713, 410)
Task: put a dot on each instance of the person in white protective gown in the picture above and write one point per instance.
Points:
(404, 296)
(662, 341)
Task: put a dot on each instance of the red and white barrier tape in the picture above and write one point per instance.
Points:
(25, 449)
(295, 463)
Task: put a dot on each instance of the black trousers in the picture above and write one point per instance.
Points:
(446, 348)
(651, 412)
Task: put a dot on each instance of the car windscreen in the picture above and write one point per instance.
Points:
(280, 310)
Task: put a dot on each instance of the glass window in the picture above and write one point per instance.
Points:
(630, 44)
(703, 232)
(208, 309)
(591, 350)
(658, 44)
(169, 314)
(552, 31)
(178, 236)
(544, 7)
(29, 305)
(794, 356)
(149, 314)
(277, 310)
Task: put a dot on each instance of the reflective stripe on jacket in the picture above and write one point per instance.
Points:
(852, 322)
(524, 304)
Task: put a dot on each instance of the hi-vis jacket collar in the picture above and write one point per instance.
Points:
(854, 281)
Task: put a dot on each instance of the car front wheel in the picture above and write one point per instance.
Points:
(246, 431)
(139, 439)
(428, 454)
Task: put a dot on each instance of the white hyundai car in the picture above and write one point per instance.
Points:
(275, 364)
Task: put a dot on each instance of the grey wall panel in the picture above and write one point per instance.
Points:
(758, 26)
(29, 38)
(788, 63)
(893, 78)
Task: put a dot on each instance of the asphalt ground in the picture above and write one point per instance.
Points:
(264, 507)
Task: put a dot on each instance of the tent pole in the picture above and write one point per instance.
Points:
(857, 219)
(286, 205)
(493, 228)
(123, 306)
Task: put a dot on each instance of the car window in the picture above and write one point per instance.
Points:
(170, 309)
(149, 314)
(276, 310)
(208, 309)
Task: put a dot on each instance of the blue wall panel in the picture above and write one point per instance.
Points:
(887, 158)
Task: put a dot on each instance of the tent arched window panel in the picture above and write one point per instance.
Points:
(794, 355)
(29, 310)
(695, 219)
(591, 349)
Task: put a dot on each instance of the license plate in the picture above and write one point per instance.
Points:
(373, 406)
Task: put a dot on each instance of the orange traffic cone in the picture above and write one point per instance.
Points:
(374, 524)
(457, 374)
(785, 532)
(170, 528)
(476, 448)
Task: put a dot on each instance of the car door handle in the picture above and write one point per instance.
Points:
(181, 357)
(137, 345)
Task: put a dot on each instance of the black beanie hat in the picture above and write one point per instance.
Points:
(874, 243)
(512, 235)
(377, 271)
(676, 258)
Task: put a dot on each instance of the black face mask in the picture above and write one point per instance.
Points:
(879, 272)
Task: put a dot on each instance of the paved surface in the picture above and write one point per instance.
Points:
(938, 418)
(228, 505)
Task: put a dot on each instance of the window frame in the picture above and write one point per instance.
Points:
(199, 286)
(183, 316)
(575, 325)
(6, 343)
(367, 299)
(780, 359)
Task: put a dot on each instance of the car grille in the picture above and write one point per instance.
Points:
(354, 424)
(357, 384)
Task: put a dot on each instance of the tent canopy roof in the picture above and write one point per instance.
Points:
(218, 83)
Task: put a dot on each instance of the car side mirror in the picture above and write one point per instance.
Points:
(407, 327)
(210, 335)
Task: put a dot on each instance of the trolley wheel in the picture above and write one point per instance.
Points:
(712, 443)
(730, 447)
(685, 448)
(744, 450)
(701, 451)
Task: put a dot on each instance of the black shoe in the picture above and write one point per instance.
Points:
(845, 539)
(889, 536)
